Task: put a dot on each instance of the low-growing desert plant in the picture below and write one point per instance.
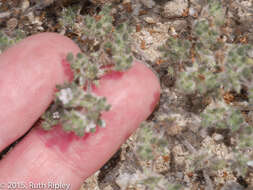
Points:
(215, 70)
(108, 50)
(7, 41)
(218, 69)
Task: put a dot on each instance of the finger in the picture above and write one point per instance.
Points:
(59, 157)
(29, 72)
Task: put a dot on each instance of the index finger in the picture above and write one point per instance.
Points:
(29, 72)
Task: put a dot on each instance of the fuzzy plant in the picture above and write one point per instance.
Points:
(75, 106)
(151, 142)
(106, 43)
(114, 42)
(146, 179)
(215, 70)
(68, 17)
(151, 180)
(7, 41)
(218, 69)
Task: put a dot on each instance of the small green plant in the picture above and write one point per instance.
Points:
(68, 17)
(7, 41)
(155, 181)
(146, 179)
(150, 143)
(113, 42)
(217, 67)
(77, 110)
(221, 115)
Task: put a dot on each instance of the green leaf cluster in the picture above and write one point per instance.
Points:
(176, 50)
(114, 41)
(76, 110)
(154, 182)
(75, 106)
(68, 17)
(7, 41)
(216, 66)
(221, 115)
(150, 143)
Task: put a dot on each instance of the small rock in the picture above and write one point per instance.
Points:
(150, 20)
(250, 53)
(125, 179)
(37, 21)
(24, 5)
(250, 163)
(193, 12)
(217, 137)
(179, 25)
(174, 130)
(31, 17)
(12, 24)
(174, 8)
(203, 132)
(126, 1)
(148, 3)
(5, 14)
(136, 9)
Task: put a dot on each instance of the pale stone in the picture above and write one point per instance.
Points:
(175, 8)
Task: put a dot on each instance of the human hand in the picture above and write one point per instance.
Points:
(29, 72)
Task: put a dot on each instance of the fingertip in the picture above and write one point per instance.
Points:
(29, 72)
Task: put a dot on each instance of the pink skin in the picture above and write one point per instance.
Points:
(57, 156)
(28, 73)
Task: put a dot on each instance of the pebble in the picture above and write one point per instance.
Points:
(12, 24)
(148, 3)
(250, 53)
(217, 137)
(193, 12)
(150, 20)
(179, 25)
(24, 5)
(5, 14)
(174, 8)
